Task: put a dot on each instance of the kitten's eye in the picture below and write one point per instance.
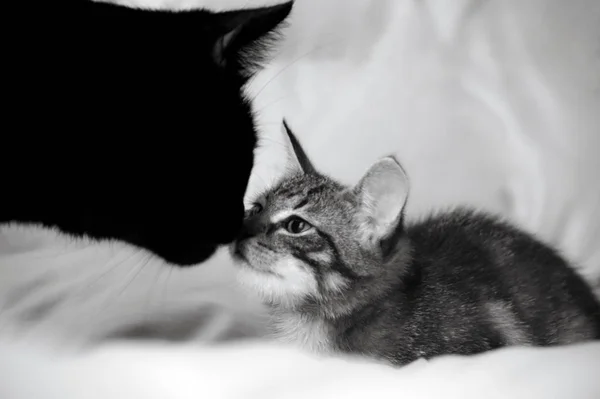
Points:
(296, 226)
(255, 210)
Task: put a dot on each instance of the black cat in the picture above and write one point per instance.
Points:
(131, 124)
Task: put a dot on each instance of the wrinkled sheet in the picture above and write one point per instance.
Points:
(265, 372)
(491, 103)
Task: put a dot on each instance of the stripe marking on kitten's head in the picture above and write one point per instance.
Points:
(309, 240)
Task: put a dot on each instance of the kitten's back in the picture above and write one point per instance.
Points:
(529, 292)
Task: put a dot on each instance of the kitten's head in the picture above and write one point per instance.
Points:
(131, 124)
(310, 240)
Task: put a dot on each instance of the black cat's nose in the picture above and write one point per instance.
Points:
(243, 234)
(251, 227)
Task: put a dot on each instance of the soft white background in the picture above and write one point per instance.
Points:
(491, 103)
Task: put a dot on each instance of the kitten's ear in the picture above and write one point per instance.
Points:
(382, 193)
(298, 160)
(243, 29)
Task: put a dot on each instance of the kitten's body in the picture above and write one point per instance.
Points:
(471, 284)
(359, 280)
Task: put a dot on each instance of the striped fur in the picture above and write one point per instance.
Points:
(357, 279)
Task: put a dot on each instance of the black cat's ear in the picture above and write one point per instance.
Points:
(243, 32)
(382, 195)
(298, 160)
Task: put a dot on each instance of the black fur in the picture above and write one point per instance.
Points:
(130, 124)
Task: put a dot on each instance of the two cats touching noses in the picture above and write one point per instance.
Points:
(123, 138)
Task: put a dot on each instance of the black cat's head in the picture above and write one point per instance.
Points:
(131, 124)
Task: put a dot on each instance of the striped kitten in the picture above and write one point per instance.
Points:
(343, 272)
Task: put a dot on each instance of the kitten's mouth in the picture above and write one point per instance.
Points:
(238, 254)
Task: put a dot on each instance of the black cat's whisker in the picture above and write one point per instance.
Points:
(259, 111)
(153, 284)
(149, 258)
(166, 284)
(262, 181)
(266, 141)
(63, 252)
(144, 263)
(270, 139)
(111, 269)
(296, 60)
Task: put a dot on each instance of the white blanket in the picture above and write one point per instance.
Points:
(265, 372)
(492, 103)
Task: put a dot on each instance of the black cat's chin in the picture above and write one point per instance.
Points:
(201, 253)
(235, 250)
(183, 252)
